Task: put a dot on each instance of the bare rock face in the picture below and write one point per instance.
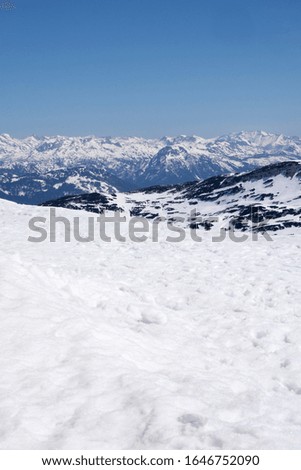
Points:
(268, 198)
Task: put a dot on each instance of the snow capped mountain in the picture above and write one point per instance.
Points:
(264, 199)
(101, 310)
(36, 169)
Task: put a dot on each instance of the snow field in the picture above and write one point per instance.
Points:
(148, 346)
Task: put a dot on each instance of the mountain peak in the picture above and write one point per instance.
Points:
(55, 166)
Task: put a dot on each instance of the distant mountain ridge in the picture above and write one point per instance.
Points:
(36, 169)
(268, 198)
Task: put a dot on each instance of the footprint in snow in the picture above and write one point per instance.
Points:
(153, 317)
(192, 420)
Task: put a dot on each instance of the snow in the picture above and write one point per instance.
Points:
(128, 163)
(277, 194)
(148, 345)
(111, 150)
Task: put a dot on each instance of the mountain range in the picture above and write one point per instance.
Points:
(34, 170)
(267, 198)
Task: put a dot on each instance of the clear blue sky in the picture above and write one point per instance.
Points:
(150, 67)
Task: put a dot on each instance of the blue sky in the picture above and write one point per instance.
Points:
(150, 67)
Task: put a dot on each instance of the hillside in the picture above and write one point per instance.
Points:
(36, 169)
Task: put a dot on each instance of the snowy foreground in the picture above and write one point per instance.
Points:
(148, 346)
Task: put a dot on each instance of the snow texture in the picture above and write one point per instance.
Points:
(148, 346)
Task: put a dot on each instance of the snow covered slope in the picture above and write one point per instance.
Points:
(148, 345)
(266, 198)
(34, 169)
